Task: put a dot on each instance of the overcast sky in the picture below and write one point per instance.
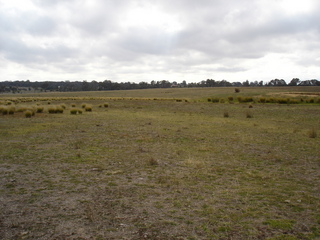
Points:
(175, 40)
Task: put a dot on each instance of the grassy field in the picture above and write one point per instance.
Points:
(161, 164)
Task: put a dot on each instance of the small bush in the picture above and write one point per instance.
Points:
(237, 90)
(83, 105)
(226, 114)
(28, 114)
(106, 105)
(73, 105)
(63, 106)
(221, 100)
(80, 111)
(250, 106)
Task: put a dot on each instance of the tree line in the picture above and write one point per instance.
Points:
(68, 86)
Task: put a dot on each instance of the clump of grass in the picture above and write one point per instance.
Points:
(230, 99)
(249, 114)
(28, 114)
(22, 108)
(215, 100)
(153, 162)
(83, 105)
(250, 106)
(52, 109)
(226, 114)
(59, 109)
(73, 111)
(4, 110)
(237, 90)
(221, 100)
(244, 99)
(39, 109)
(262, 100)
(63, 106)
(312, 133)
(11, 110)
(73, 105)
(88, 108)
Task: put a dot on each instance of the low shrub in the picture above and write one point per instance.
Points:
(83, 105)
(221, 100)
(226, 114)
(73, 105)
(237, 90)
(63, 106)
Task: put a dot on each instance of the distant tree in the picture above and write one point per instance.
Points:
(294, 82)
(277, 82)
(246, 84)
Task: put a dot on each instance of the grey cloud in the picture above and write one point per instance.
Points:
(212, 32)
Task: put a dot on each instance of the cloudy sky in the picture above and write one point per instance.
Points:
(175, 40)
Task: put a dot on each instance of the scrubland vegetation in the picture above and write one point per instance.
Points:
(161, 164)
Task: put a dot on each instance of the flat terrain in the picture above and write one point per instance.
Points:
(161, 164)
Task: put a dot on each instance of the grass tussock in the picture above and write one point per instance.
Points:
(312, 133)
(249, 114)
(55, 109)
(245, 99)
(225, 114)
(39, 109)
(75, 111)
(153, 162)
(28, 114)
(88, 108)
